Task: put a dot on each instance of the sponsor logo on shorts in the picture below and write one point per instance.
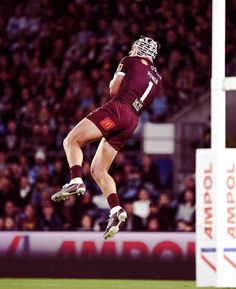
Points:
(107, 123)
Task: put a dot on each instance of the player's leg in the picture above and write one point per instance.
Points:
(85, 131)
(101, 163)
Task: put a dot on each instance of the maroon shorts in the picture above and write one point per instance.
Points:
(116, 121)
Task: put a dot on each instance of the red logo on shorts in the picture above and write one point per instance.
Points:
(107, 123)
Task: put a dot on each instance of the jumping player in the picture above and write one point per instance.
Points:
(134, 86)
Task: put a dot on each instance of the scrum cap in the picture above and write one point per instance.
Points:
(147, 46)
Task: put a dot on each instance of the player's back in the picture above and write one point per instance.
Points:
(141, 82)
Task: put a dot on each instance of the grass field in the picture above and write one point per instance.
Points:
(93, 284)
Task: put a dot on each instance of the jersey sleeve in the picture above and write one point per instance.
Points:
(123, 66)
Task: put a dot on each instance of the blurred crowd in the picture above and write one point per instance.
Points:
(25, 203)
(56, 61)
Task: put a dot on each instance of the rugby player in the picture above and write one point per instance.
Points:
(133, 88)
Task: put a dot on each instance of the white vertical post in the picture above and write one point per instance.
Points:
(218, 120)
(218, 74)
(210, 184)
(218, 127)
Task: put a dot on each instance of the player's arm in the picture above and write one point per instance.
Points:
(116, 82)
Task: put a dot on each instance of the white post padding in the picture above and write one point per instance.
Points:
(216, 218)
(226, 219)
(205, 219)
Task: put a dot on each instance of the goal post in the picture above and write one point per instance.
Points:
(216, 177)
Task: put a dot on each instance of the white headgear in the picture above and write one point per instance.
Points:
(147, 46)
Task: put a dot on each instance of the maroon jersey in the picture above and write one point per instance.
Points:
(141, 82)
(118, 118)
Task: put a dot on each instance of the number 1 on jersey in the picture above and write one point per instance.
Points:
(146, 92)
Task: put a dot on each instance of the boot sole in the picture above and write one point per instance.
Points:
(64, 195)
(113, 230)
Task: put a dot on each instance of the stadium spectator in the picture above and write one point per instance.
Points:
(28, 219)
(49, 221)
(166, 213)
(134, 222)
(68, 214)
(183, 226)
(11, 136)
(10, 211)
(58, 172)
(5, 188)
(24, 164)
(86, 223)
(153, 225)
(152, 221)
(185, 215)
(25, 192)
(41, 191)
(9, 224)
(153, 210)
(150, 173)
(133, 181)
(188, 184)
(142, 204)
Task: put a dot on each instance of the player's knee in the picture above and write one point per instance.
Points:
(93, 171)
(65, 143)
(96, 172)
(69, 141)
